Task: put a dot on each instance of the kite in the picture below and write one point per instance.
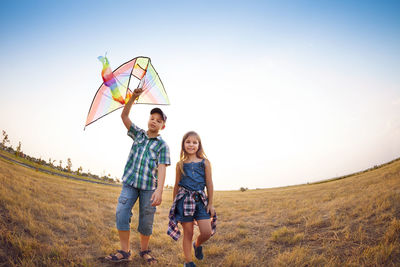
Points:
(115, 91)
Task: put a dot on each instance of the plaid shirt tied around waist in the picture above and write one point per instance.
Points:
(189, 207)
(141, 169)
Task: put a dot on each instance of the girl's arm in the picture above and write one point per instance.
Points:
(210, 187)
(177, 180)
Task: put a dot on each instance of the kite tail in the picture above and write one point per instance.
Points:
(128, 96)
(110, 81)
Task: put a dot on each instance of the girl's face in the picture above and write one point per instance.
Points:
(191, 145)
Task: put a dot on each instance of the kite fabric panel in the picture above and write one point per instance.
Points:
(115, 92)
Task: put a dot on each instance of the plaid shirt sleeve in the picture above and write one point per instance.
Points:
(163, 156)
(214, 224)
(133, 131)
(173, 229)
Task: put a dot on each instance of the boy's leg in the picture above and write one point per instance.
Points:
(187, 240)
(205, 231)
(146, 218)
(144, 242)
(123, 215)
(124, 240)
(144, 248)
(126, 201)
(146, 213)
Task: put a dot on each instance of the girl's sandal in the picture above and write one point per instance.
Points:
(114, 258)
(150, 259)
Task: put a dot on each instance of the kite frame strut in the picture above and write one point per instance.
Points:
(128, 89)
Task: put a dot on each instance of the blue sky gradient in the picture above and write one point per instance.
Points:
(310, 89)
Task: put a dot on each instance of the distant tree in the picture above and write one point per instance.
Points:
(243, 189)
(80, 169)
(18, 152)
(60, 166)
(69, 164)
(51, 162)
(5, 139)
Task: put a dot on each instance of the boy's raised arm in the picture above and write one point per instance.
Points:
(127, 108)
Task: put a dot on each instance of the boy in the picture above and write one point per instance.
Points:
(143, 178)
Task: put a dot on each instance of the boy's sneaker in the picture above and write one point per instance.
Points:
(189, 264)
(198, 251)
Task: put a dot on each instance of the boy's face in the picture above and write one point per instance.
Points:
(155, 123)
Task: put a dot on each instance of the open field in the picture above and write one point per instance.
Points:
(47, 220)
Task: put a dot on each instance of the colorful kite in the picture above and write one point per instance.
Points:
(115, 92)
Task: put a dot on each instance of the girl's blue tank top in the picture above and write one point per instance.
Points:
(194, 176)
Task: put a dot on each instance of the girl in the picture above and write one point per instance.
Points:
(193, 173)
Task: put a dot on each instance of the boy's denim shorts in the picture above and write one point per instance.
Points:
(200, 212)
(126, 201)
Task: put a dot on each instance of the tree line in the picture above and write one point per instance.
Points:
(52, 163)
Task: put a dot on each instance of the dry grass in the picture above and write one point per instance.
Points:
(51, 221)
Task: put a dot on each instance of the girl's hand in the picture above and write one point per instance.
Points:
(211, 210)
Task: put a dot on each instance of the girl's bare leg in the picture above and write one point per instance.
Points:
(187, 240)
(205, 231)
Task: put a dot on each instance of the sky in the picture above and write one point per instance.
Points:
(280, 92)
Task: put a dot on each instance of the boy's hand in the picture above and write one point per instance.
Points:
(211, 210)
(137, 92)
(156, 198)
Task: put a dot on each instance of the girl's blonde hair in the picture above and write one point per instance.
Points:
(183, 156)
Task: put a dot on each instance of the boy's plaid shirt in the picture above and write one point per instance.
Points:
(189, 206)
(145, 156)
